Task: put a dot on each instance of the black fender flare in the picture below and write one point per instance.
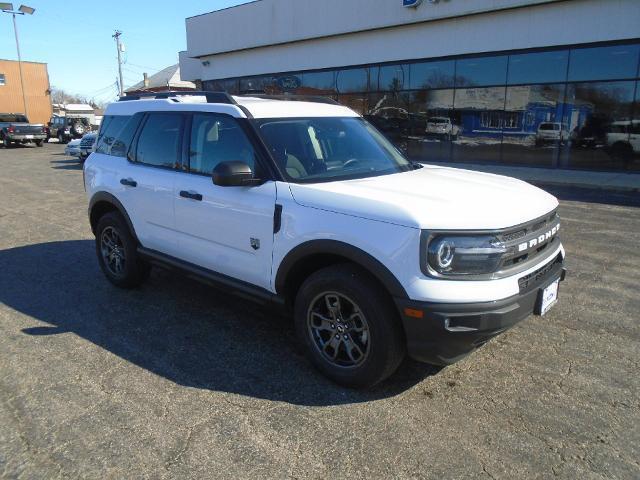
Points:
(335, 247)
(109, 198)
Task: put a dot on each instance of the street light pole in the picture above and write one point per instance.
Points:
(24, 96)
(23, 10)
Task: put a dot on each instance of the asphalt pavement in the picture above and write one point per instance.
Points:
(175, 380)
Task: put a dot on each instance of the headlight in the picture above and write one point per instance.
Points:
(464, 255)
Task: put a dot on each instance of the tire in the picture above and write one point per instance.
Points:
(5, 142)
(61, 139)
(78, 129)
(39, 143)
(132, 271)
(365, 323)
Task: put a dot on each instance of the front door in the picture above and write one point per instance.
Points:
(225, 229)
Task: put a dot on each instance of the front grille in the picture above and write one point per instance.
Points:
(527, 242)
(532, 280)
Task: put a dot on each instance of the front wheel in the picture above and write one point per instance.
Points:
(117, 252)
(348, 326)
(39, 143)
(5, 142)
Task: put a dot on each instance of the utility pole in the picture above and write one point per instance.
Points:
(119, 47)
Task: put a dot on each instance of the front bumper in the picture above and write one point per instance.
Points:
(448, 332)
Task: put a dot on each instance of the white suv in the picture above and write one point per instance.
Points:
(305, 206)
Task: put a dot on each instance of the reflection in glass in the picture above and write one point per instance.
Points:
(534, 126)
(352, 80)
(480, 114)
(432, 74)
(432, 125)
(604, 63)
(391, 78)
(598, 111)
(541, 67)
(318, 83)
(481, 71)
(389, 113)
(355, 101)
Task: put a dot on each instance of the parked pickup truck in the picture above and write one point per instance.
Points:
(15, 128)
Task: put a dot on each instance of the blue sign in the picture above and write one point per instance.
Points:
(411, 3)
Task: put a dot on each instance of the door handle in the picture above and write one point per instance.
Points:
(191, 195)
(128, 182)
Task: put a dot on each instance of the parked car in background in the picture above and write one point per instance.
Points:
(15, 128)
(623, 138)
(73, 148)
(551, 132)
(442, 127)
(87, 145)
(67, 128)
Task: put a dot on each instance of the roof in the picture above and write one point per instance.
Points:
(257, 107)
(168, 77)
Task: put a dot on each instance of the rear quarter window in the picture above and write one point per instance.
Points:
(116, 134)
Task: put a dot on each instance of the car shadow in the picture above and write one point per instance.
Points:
(174, 327)
(72, 163)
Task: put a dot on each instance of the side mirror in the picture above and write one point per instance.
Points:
(234, 174)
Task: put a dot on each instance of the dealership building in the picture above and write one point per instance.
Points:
(550, 83)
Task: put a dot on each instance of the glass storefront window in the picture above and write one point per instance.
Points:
(358, 102)
(352, 80)
(604, 63)
(389, 113)
(534, 127)
(391, 78)
(476, 72)
(229, 86)
(479, 114)
(432, 75)
(433, 127)
(540, 67)
(599, 116)
(319, 83)
(554, 108)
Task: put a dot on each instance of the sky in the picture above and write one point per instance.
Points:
(75, 39)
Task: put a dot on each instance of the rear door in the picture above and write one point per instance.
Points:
(154, 159)
(225, 229)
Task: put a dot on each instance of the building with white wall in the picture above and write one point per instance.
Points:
(541, 82)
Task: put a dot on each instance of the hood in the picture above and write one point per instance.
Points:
(432, 198)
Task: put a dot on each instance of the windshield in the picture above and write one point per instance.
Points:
(327, 149)
(12, 118)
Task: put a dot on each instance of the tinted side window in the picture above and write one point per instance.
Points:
(215, 139)
(120, 146)
(109, 130)
(159, 141)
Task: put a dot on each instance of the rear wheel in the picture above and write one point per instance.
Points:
(117, 252)
(39, 143)
(348, 326)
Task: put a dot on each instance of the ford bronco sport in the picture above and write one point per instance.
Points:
(305, 206)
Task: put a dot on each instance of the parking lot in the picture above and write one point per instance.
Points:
(175, 380)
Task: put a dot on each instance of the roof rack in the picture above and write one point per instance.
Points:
(292, 98)
(212, 97)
